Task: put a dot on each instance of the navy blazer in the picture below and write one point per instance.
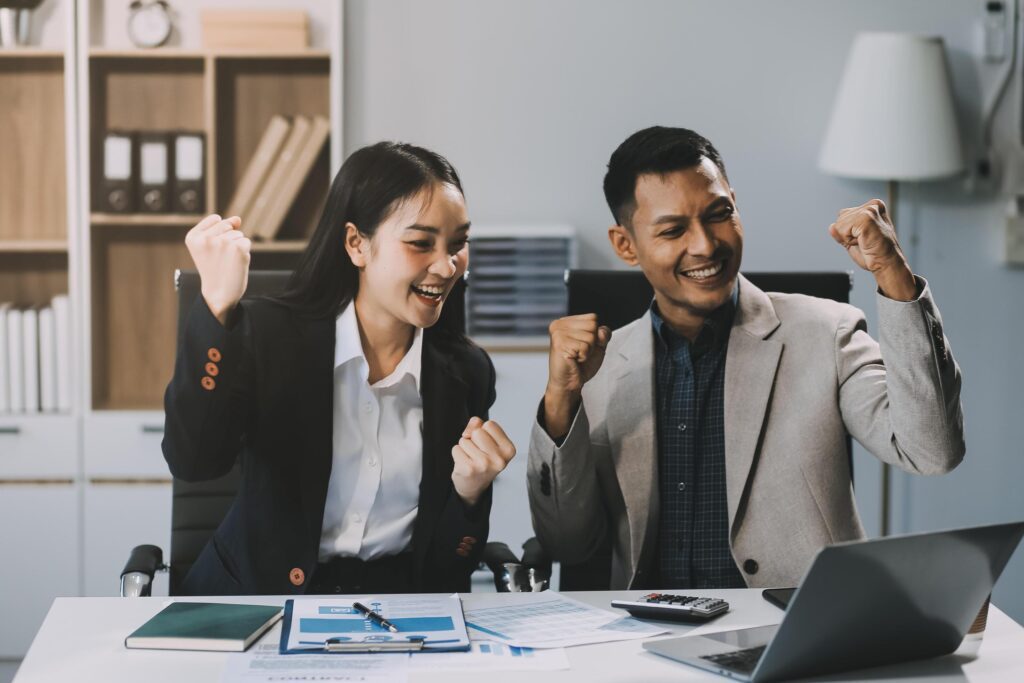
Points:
(262, 390)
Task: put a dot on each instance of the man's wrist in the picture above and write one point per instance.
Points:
(559, 407)
(897, 282)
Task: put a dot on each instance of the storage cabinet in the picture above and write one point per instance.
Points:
(78, 490)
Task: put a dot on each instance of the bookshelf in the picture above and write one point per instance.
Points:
(33, 219)
(229, 95)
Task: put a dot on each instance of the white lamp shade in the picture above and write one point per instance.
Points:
(893, 117)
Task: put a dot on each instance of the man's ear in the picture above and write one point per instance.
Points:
(624, 243)
(357, 245)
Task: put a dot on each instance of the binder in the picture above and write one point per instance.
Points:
(189, 177)
(30, 355)
(278, 172)
(15, 362)
(117, 187)
(259, 166)
(154, 167)
(62, 335)
(284, 195)
(5, 383)
(47, 361)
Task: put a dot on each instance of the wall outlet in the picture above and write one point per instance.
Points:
(1015, 240)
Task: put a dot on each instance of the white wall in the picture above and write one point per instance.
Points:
(529, 97)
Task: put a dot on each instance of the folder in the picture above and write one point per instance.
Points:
(154, 170)
(259, 166)
(284, 195)
(15, 362)
(5, 383)
(189, 177)
(276, 176)
(117, 187)
(323, 625)
(47, 361)
(62, 334)
(30, 356)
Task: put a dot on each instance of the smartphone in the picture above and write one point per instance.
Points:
(779, 597)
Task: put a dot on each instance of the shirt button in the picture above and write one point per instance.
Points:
(373, 463)
(367, 407)
(682, 427)
(357, 518)
(681, 486)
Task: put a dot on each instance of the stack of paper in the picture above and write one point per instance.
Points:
(543, 620)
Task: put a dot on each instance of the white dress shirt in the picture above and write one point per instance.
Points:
(374, 491)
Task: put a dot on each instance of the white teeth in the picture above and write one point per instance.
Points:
(704, 272)
(428, 290)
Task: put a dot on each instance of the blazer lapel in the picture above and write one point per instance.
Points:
(751, 363)
(630, 418)
(445, 414)
(316, 414)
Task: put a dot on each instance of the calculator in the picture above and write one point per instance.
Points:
(669, 607)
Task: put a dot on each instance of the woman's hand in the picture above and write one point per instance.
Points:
(483, 451)
(221, 253)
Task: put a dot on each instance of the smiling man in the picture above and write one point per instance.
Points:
(706, 441)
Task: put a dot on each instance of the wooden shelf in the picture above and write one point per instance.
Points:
(145, 219)
(33, 247)
(30, 53)
(179, 53)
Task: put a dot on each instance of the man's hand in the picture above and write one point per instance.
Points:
(483, 451)
(577, 351)
(867, 233)
(221, 254)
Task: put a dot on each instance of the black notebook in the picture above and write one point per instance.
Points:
(204, 626)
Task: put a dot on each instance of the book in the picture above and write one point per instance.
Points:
(62, 335)
(5, 383)
(277, 174)
(259, 165)
(30, 354)
(215, 626)
(284, 195)
(47, 361)
(15, 362)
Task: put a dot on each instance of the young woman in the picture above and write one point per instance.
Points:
(357, 407)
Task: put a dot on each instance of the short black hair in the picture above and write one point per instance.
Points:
(658, 149)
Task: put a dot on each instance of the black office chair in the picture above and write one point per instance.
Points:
(197, 508)
(620, 297)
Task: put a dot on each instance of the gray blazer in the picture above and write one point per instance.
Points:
(800, 373)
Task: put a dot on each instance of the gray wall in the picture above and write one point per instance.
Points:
(529, 97)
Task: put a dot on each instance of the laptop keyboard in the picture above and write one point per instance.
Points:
(742, 661)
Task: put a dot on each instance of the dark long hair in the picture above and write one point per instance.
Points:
(371, 184)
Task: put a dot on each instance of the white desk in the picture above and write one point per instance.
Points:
(82, 640)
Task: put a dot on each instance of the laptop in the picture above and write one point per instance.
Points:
(863, 604)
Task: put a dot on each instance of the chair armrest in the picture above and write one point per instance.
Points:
(137, 575)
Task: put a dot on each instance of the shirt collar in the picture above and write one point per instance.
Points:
(348, 347)
(714, 333)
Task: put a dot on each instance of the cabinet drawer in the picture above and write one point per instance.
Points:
(38, 446)
(124, 444)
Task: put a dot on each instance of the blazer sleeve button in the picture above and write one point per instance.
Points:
(208, 383)
(213, 354)
(297, 576)
(461, 552)
(212, 369)
(468, 539)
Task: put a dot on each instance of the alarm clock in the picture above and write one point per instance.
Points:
(149, 22)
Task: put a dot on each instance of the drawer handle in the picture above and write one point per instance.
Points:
(13, 430)
(152, 429)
